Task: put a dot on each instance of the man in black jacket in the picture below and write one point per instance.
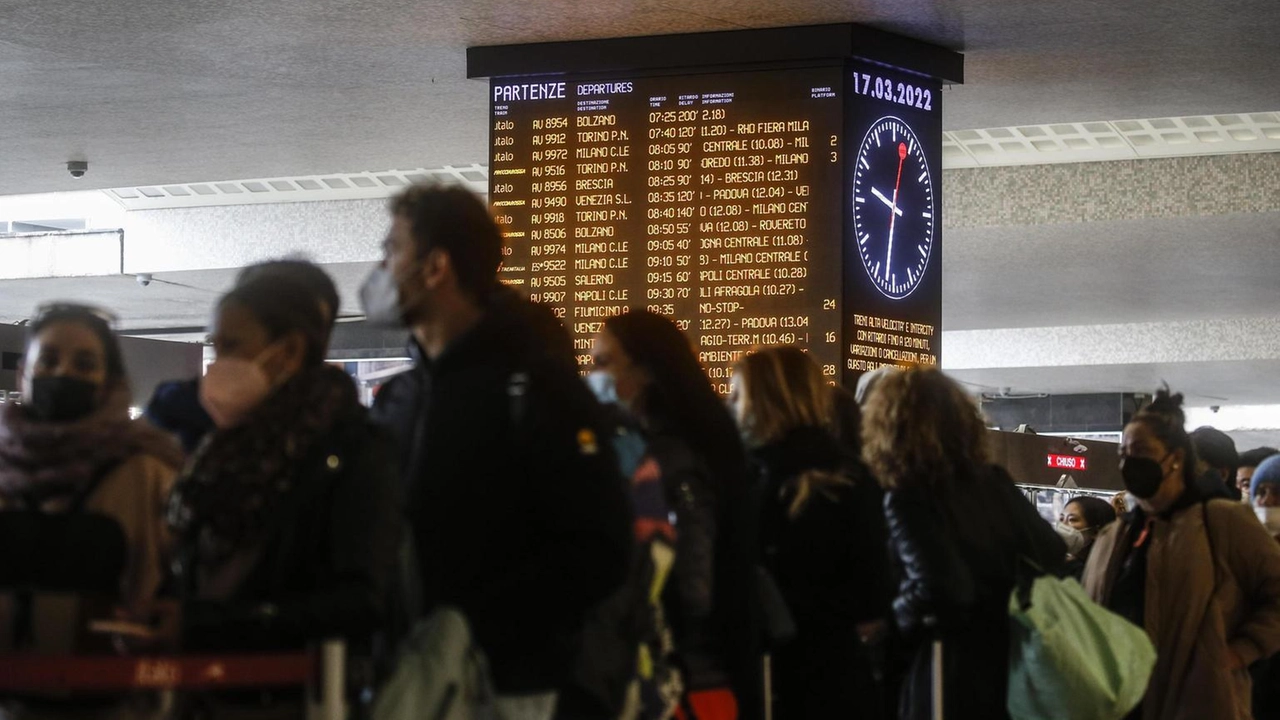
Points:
(520, 516)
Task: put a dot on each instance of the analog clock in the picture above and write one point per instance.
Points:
(893, 207)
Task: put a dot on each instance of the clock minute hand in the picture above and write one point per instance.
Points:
(887, 201)
(902, 156)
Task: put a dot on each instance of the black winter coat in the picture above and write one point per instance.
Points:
(957, 545)
(831, 564)
(325, 566)
(711, 598)
(519, 513)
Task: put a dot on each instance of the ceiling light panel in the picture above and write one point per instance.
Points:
(1112, 140)
(1093, 141)
(351, 186)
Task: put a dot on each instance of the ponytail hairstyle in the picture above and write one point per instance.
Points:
(1163, 417)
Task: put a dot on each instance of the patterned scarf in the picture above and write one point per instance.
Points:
(47, 463)
(225, 499)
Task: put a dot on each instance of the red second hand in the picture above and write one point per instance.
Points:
(893, 209)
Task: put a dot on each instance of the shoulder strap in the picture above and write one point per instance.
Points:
(77, 503)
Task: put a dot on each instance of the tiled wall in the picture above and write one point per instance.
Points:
(1117, 190)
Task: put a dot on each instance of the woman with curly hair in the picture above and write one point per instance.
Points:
(959, 529)
(1201, 576)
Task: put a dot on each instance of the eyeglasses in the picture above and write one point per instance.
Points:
(69, 309)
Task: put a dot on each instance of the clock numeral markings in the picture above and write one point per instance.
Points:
(911, 203)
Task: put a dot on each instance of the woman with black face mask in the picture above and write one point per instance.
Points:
(1201, 576)
(70, 446)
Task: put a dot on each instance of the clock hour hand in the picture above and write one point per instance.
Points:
(896, 210)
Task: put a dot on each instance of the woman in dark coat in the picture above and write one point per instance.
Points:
(822, 534)
(958, 527)
(286, 519)
(711, 597)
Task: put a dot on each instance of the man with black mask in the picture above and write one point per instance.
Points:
(519, 514)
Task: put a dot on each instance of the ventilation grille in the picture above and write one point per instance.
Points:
(1114, 140)
(340, 186)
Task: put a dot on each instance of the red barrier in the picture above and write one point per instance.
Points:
(64, 673)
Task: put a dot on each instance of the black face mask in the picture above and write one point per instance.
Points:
(62, 399)
(1142, 476)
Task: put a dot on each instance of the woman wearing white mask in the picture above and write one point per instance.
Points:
(286, 520)
(1085, 517)
(1264, 492)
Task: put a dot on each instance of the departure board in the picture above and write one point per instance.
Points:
(716, 199)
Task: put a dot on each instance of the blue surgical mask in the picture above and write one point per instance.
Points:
(602, 385)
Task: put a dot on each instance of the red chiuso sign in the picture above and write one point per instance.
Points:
(1068, 462)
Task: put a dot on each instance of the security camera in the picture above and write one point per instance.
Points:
(77, 168)
(144, 279)
(1214, 408)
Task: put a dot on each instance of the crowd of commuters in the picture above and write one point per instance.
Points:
(632, 546)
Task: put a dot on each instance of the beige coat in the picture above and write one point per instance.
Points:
(134, 494)
(1191, 624)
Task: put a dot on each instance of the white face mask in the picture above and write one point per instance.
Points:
(603, 386)
(380, 299)
(1270, 518)
(233, 388)
(1074, 539)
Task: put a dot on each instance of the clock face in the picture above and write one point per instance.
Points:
(893, 207)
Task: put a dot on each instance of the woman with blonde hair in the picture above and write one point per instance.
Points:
(822, 533)
(959, 529)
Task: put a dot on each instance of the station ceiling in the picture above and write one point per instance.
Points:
(155, 91)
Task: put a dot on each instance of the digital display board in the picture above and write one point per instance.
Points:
(892, 301)
(794, 205)
(1068, 462)
(714, 199)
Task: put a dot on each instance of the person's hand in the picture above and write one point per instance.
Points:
(161, 635)
(1234, 662)
(870, 632)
